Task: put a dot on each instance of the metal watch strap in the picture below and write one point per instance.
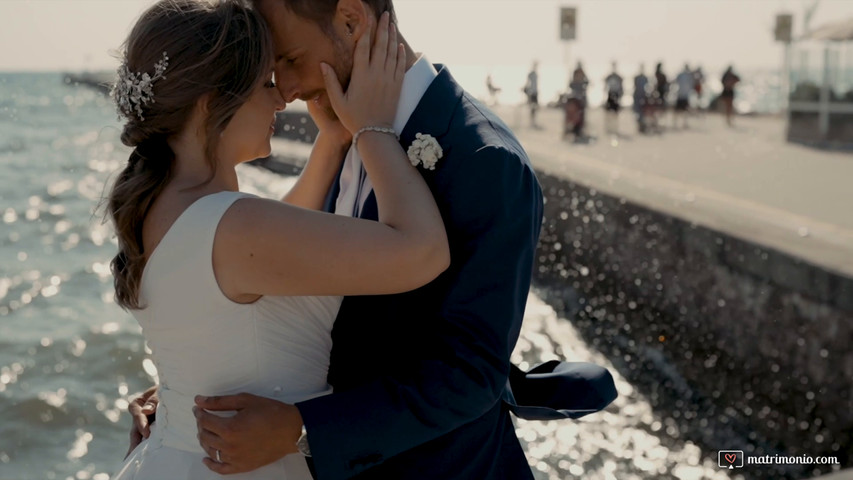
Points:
(302, 443)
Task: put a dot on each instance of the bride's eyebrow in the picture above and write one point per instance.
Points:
(290, 52)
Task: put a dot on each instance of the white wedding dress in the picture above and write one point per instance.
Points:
(205, 344)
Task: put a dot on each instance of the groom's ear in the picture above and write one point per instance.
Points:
(353, 18)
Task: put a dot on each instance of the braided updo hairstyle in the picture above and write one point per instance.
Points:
(218, 49)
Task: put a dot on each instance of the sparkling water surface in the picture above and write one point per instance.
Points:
(70, 359)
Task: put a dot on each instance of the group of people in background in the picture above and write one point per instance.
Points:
(651, 100)
(652, 97)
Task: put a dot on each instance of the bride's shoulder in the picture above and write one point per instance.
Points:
(249, 214)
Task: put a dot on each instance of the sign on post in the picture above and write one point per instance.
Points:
(784, 22)
(568, 23)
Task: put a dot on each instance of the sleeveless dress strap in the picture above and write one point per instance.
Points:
(183, 259)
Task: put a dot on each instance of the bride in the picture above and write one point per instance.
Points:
(236, 293)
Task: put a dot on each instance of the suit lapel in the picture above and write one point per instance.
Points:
(432, 116)
(435, 110)
(369, 211)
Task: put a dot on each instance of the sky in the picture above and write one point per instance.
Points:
(77, 35)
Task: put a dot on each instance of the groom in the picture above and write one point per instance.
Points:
(421, 379)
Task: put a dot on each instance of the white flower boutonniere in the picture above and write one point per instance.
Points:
(425, 150)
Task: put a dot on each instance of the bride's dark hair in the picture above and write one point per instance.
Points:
(219, 50)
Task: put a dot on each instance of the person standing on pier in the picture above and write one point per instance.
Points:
(661, 90)
(729, 80)
(531, 90)
(493, 89)
(686, 83)
(578, 84)
(641, 100)
(574, 105)
(698, 86)
(613, 89)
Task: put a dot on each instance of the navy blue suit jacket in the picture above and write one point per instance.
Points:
(421, 378)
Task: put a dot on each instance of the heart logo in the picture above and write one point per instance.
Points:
(731, 457)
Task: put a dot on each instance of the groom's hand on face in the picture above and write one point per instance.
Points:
(260, 432)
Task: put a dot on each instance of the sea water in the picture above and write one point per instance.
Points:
(70, 359)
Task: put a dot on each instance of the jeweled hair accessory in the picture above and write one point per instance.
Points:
(133, 90)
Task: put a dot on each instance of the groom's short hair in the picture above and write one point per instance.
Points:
(323, 11)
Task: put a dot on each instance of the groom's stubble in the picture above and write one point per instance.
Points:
(343, 54)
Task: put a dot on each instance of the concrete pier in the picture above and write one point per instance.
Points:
(713, 266)
(101, 81)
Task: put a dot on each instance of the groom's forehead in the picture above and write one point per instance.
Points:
(290, 29)
(315, 11)
(322, 12)
(283, 15)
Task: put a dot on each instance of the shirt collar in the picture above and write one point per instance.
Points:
(415, 83)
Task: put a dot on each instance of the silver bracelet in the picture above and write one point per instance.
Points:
(372, 128)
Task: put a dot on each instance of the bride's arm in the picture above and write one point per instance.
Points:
(316, 179)
(264, 247)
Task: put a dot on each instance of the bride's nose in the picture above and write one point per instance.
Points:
(278, 100)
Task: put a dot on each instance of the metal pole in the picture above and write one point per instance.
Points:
(786, 88)
(785, 85)
(823, 115)
(566, 54)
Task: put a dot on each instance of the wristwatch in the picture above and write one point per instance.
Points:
(302, 443)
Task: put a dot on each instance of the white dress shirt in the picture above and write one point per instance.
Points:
(355, 185)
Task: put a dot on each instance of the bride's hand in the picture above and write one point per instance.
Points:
(377, 78)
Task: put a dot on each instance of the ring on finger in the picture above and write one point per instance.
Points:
(218, 456)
